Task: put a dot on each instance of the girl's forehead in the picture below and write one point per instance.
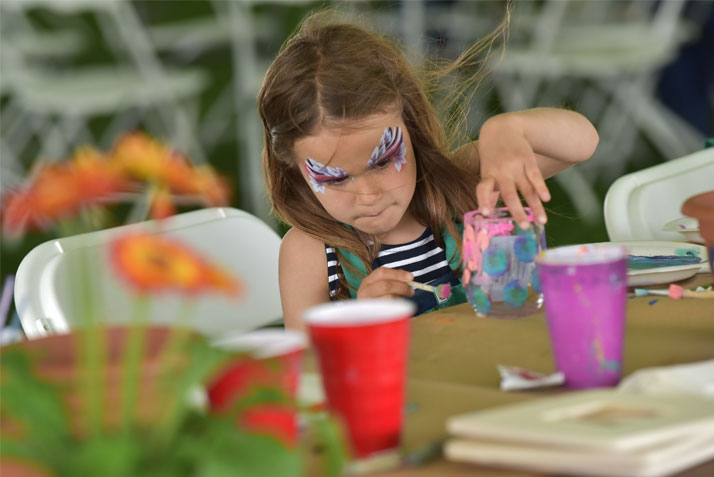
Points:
(347, 143)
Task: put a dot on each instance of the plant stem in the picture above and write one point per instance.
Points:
(131, 362)
(92, 338)
(169, 356)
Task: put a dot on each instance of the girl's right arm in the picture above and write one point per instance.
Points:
(302, 276)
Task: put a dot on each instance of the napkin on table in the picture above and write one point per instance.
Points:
(694, 379)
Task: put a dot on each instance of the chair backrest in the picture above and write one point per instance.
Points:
(48, 298)
(59, 104)
(637, 205)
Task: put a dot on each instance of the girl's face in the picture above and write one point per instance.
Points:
(362, 172)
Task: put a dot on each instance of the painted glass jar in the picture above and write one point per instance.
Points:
(499, 264)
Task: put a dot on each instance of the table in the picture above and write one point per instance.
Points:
(452, 367)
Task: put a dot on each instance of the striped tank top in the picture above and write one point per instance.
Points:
(422, 257)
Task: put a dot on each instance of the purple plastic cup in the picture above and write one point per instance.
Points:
(585, 291)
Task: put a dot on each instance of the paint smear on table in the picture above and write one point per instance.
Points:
(640, 262)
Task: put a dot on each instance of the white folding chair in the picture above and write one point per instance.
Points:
(48, 299)
(637, 205)
(58, 106)
(604, 58)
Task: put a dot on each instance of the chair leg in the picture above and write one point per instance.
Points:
(586, 202)
(648, 116)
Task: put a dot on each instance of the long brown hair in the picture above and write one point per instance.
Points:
(333, 71)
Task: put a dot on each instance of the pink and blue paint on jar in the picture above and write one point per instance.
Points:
(499, 264)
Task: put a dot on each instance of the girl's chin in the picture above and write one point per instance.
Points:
(375, 225)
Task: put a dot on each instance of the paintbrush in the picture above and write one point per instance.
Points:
(442, 292)
(676, 292)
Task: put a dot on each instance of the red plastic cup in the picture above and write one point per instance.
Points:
(362, 348)
(584, 289)
(270, 358)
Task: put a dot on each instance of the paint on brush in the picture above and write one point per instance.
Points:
(443, 291)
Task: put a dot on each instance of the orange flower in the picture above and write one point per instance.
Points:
(58, 191)
(221, 280)
(162, 205)
(141, 156)
(51, 195)
(97, 177)
(151, 263)
(15, 214)
(151, 161)
(178, 173)
(210, 186)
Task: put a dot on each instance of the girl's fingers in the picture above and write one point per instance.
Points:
(494, 199)
(385, 289)
(528, 181)
(536, 179)
(513, 202)
(485, 194)
(386, 282)
(533, 200)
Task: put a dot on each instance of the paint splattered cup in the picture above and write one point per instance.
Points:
(262, 359)
(499, 264)
(362, 347)
(585, 290)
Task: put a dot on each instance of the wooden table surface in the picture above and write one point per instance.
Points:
(454, 354)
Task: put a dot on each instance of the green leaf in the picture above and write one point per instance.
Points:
(106, 456)
(204, 359)
(329, 437)
(33, 405)
(261, 395)
(223, 449)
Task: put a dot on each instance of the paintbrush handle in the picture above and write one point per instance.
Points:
(422, 286)
(698, 294)
(658, 292)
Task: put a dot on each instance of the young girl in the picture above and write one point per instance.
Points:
(356, 162)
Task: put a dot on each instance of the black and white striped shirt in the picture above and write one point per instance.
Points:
(422, 257)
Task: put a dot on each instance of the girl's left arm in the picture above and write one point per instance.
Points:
(517, 151)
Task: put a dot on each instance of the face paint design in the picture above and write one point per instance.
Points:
(391, 149)
(390, 146)
(320, 174)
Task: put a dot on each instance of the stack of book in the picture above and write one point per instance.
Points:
(598, 433)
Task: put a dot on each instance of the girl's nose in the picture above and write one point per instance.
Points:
(367, 189)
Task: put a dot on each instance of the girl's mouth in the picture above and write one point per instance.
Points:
(371, 216)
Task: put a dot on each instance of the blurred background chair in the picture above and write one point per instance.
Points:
(602, 58)
(58, 99)
(637, 205)
(46, 295)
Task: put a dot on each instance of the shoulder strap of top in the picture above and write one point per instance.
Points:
(354, 281)
(451, 248)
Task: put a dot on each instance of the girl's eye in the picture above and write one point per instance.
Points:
(336, 181)
(382, 163)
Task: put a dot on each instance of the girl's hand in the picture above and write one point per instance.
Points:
(508, 165)
(386, 282)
